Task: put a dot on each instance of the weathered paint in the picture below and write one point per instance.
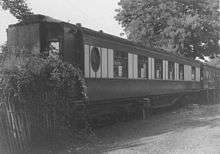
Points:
(24, 38)
(104, 89)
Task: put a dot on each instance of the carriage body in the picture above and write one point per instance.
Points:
(114, 68)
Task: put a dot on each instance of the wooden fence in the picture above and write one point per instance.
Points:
(14, 129)
(21, 131)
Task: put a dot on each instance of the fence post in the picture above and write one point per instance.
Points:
(146, 109)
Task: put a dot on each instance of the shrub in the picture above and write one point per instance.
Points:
(48, 95)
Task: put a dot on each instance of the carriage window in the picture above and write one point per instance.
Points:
(208, 75)
(171, 70)
(201, 74)
(142, 67)
(95, 59)
(181, 71)
(193, 73)
(54, 49)
(158, 68)
(120, 64)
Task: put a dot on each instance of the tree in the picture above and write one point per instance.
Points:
(17, 8)
(186, 27)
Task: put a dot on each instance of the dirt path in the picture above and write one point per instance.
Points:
(194, 129)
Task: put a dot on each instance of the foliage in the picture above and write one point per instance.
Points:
(4, 51)
(4, 48)
(30, 77)
(18, 8)
(186, 27)
(51, 92)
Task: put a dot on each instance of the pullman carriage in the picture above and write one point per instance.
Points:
(211, 77)
(114, 68)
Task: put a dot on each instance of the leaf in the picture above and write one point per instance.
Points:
(179, 25)
(18, 8)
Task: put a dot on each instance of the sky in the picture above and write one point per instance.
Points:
(93, 14)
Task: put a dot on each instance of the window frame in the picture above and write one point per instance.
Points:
(121, 58)
(158, 62)
(141, 61)
(95, 59)
(193, 73)
(50, 53)
(181, 77)
(171, 65)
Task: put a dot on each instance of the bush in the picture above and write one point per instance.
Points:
(51, 93)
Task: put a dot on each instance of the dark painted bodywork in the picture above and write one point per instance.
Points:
(105, 89)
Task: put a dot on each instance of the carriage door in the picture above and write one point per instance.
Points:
(51, 39)
(54, 49)
(73, 46)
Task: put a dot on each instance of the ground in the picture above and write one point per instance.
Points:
(194, 129)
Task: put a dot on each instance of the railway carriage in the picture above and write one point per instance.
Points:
(211, 77)
(114, 68)
(129, 70)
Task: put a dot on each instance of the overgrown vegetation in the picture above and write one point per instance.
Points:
(50, 93)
